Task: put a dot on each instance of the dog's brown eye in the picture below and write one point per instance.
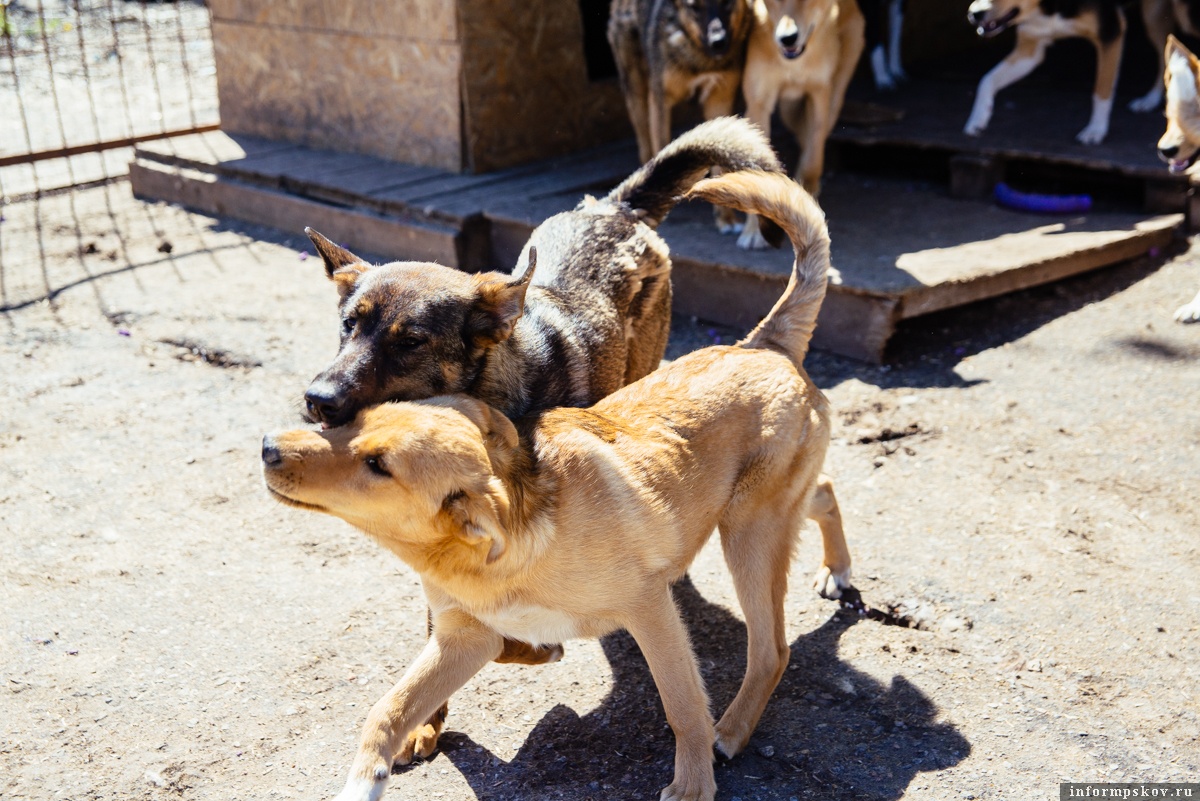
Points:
(349, 323)
(376, 467)
(410, 342)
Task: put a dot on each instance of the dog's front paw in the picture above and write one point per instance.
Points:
(359, 788)
(829, 584)
(1093, 134)
(700, 787)
(975, 126)
(1189, 313)
(1148, 101)
(751, 239)
(726, 220)
(421, 742)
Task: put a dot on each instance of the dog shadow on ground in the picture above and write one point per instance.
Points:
(829, 732)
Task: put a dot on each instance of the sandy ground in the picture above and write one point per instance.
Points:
(1021, 483)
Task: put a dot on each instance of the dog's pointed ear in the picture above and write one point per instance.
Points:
(498, 431)
(499, 303)
(341, 266)
(474, 518)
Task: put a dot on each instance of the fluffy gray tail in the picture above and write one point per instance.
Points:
(789, 326)
(731, 143)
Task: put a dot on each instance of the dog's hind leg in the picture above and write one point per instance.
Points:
(663, 640)
(758, 538)
(1108, 66)
(834, 575)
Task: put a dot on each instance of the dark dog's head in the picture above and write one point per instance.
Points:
(409, 330)
(714, 25)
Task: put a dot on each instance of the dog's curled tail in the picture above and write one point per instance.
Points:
(789, 325)
(731, 143)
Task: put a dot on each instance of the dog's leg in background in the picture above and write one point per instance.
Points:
(758, 537)
(459, 649)
(834, 575)
(895, 31)
(852, 40)
(1189, 313)
(625, 41)
(718, 102)
(1025, 57)
(1159, 21)
(1108, 66)
(659, 112)
(663, 640)
(812, 145)
(760, 102)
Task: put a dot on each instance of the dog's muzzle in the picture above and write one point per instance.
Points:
(1175, 164)
(787, 33)
(718, 38)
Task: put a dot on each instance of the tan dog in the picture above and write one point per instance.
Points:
(578, 523)
(801, 56)
(1180, 144)
(1039, 24)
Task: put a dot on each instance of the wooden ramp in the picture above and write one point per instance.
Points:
(900, 248)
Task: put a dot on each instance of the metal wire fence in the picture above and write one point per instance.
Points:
(82, 80)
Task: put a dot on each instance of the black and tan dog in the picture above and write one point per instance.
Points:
(576, 522)
(590, 318)
(1180, 143)
(669, 50)
(1039, 24)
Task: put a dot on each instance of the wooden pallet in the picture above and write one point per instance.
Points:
(900, 248)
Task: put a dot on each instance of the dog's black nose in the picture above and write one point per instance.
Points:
(974, 17)
(325, 402)
(790, 39)
(270, 453)
(1169, 152)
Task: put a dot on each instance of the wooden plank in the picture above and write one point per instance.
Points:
(212, 194)
(977, 270)
(208, 148)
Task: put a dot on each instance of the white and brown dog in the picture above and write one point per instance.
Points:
(1039, 24)
(576, 522)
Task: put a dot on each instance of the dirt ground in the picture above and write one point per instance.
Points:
(1020, 483)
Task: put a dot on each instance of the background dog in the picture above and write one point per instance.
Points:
(801, 56)
(1039, 23)
(1161, 18)
(669, 50)
(1180, 143)
(579, 525)
(884, 27)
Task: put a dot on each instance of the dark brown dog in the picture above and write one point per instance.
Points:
(668, 50)
(593, 316)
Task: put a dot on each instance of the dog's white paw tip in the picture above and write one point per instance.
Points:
(829, 584)
(751, 240)
(1091, 136)
(973, 130)
(729, 228)
(1141, 106)
(1188, 314)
